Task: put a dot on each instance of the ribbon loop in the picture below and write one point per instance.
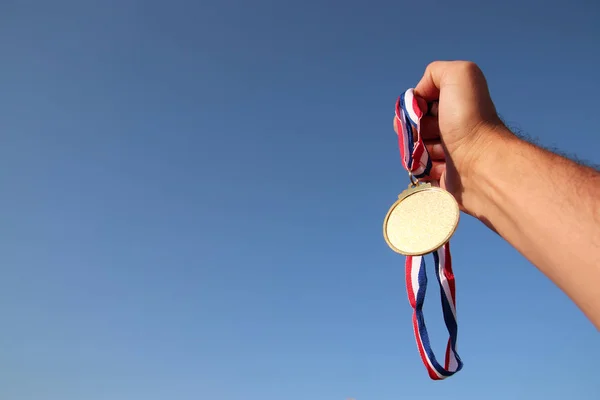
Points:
(416, 284)
(414, 154)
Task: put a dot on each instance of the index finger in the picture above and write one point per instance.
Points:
(429, 86)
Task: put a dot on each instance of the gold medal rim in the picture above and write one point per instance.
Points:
(401, 197)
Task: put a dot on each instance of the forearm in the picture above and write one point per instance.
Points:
(548, 208)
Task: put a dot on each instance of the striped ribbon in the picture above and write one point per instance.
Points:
(415, 156)
(416, 159)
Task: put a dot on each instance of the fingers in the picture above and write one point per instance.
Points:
(441, 73)
(431, 82)
(434, 108)
(422, 104)
(438, 74)
(437, 169)
(436, 150)
(430, 129)
(430, 133)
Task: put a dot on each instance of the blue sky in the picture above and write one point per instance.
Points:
(193, 195)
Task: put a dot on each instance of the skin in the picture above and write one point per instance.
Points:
(545, 205)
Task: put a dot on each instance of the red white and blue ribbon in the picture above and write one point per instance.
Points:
(416, 285)
(416, 159)
(415, 156)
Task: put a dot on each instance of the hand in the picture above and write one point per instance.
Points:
(465, 125)
(550, 216)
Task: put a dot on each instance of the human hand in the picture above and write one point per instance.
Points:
(463, 126)
(486, 167)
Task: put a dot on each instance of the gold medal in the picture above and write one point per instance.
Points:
(422, 220)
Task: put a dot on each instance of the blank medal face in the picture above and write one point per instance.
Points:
(421, 221)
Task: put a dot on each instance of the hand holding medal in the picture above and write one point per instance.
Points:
(422, 221)
(464, 157)
(424, 217)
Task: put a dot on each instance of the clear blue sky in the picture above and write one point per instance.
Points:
(193, 193)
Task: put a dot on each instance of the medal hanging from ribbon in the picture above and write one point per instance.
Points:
(420, 222)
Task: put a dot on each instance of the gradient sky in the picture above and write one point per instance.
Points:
(193, 195)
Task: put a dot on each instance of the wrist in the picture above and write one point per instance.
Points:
(490, 152)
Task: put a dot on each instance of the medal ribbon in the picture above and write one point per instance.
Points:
(415, 156)
(416, 160)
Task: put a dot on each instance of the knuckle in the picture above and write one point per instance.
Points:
(430, 67)
(435, 65)
(469, 68)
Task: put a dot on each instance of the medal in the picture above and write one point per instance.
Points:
(420, 222)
